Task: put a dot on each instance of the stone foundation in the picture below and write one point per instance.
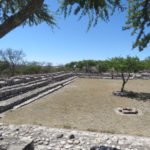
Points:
(44, 138)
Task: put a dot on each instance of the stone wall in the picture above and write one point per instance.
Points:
(26, 78)
(144, 76)
(14, 137)
(13, 95)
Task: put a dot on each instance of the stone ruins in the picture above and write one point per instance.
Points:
(29, 137)
(21, 90)
(18, 90)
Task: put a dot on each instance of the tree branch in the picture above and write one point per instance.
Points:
(123, 78)
(17, 19)
(128, 77)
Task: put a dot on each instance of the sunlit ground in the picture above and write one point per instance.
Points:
(88, 104)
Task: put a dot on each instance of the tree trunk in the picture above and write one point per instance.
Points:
(12, 70)
(122, 87)
(17, 19)
(124, 81)
(112, 75)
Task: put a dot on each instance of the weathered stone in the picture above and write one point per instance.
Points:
(63, 142)
(60, 136)
(70, 142)
(76, 142)
(17, 144)
(71, 136)
(45, 139)
(68, 146)
(102, 148)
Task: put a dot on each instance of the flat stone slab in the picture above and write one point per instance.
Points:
(11, 143)
(14, 101)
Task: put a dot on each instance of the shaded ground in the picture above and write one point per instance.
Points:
(88, 104)
(140, 96)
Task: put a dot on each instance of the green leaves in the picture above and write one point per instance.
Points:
(9, 8)
(138, 18)
(13, 13)
(128, 64)
(139, 22)
(94, 9)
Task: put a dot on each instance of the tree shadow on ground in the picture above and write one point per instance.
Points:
(140, 96)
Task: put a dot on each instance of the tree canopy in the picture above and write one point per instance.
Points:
(14, 13)
(126, 66)
(12, 58)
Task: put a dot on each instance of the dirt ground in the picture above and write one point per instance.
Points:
(87, 104)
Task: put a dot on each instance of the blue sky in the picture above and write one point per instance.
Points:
(72, 42)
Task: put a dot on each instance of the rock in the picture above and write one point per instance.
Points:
(52, 145)
(109, 142)
(49, 148)
(39, 147)
(67, 146)
(120, 142)
(79, 148)
(102, 148)
(76, 142)
(40, 142)
(63, 142)
(94, 148)
(70, 142)
(59, 136)
(3, 147)
(17, 144)
(71, 136)
(45, 139)
(46, 143)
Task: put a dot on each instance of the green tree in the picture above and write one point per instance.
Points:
(12, 58)
(33, 67)
(146, 63)
(138, 17)
(14, 13)
(3, 67)
(139, 21)
(47, 68)
(102, 66)
(71, 66)
(126, 66)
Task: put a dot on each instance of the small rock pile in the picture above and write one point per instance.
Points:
(44, 138)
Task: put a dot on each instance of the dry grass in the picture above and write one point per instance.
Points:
(87, 104)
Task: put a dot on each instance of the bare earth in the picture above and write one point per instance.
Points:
(87, 104)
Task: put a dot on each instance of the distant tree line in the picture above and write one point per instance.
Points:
(12, 63)
(119, 65)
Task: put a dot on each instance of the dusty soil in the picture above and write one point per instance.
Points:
(88, 104)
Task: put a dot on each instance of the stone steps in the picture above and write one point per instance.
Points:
(14, 91)
(20, 144)
(36, 79)
(11, 102)
(21, 84)
(21, 89)
(4, 82)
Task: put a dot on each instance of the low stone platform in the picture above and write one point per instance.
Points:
(11, 143)
(44, 138)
